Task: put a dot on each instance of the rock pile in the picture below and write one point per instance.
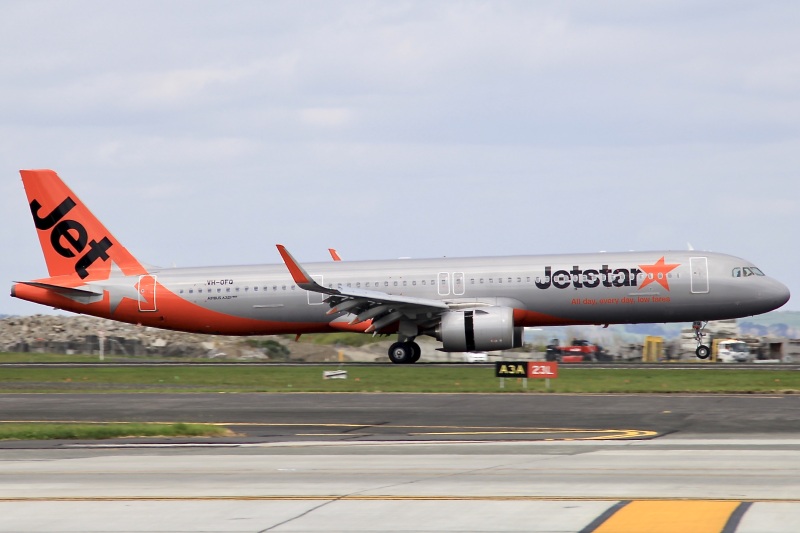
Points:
(83, 335)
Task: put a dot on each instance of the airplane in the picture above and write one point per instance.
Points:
(471, 304)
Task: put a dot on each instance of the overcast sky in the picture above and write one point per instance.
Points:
(202, 133)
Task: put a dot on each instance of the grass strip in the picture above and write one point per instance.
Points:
(50, 431)
(391, 378)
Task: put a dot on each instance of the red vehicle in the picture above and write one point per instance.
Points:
(579, 351)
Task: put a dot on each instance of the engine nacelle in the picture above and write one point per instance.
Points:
(479, 330)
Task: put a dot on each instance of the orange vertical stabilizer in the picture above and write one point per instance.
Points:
(76, 245)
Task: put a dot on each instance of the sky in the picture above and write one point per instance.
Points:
(205, 132)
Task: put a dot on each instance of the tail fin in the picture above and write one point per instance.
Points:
(75, 244)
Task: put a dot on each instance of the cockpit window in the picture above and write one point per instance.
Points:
(743, 272)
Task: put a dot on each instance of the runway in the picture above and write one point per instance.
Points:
(315, 462)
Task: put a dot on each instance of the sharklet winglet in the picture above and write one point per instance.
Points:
(299, 274)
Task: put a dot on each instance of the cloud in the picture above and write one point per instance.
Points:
(326, 117)
(407, 128)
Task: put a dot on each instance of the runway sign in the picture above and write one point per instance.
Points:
(543, 370)
(526, 369)
(511, 369)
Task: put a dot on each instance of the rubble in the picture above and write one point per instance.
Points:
(82, 335)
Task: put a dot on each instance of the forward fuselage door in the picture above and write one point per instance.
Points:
(699, 267)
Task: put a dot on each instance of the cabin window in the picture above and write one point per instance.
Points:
(414, 283)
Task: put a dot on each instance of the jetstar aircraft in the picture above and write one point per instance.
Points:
(469, 304)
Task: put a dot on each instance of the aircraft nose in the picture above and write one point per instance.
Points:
(775, 293)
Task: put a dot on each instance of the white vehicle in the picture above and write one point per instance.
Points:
(733, 351)
(476, 357)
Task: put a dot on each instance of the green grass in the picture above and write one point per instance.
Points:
(388, 378)
(344, 339)
(13, 357)
(49, 431)
(29, 357)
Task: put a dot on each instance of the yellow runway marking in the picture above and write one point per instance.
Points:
(670, 517)
(605, 434)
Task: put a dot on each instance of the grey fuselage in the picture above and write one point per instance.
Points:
(599, 288)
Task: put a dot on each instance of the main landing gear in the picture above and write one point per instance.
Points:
(402, 353)
(702, 350)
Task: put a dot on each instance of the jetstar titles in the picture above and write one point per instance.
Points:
(607, 277)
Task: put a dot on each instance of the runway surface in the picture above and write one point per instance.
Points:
(399, 462)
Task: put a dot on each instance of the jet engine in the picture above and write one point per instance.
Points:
(479, 330)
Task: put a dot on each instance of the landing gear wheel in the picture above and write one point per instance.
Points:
(702, 352)
(401, 353)
(416, 352)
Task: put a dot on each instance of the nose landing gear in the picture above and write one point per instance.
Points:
(702, 351)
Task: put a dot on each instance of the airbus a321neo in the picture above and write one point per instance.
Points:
(469, 304)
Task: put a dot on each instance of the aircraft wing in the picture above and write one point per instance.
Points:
(382, 308)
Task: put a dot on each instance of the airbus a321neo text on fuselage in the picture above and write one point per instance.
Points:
(469, 304)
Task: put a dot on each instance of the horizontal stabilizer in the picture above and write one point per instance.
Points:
(79, 295)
